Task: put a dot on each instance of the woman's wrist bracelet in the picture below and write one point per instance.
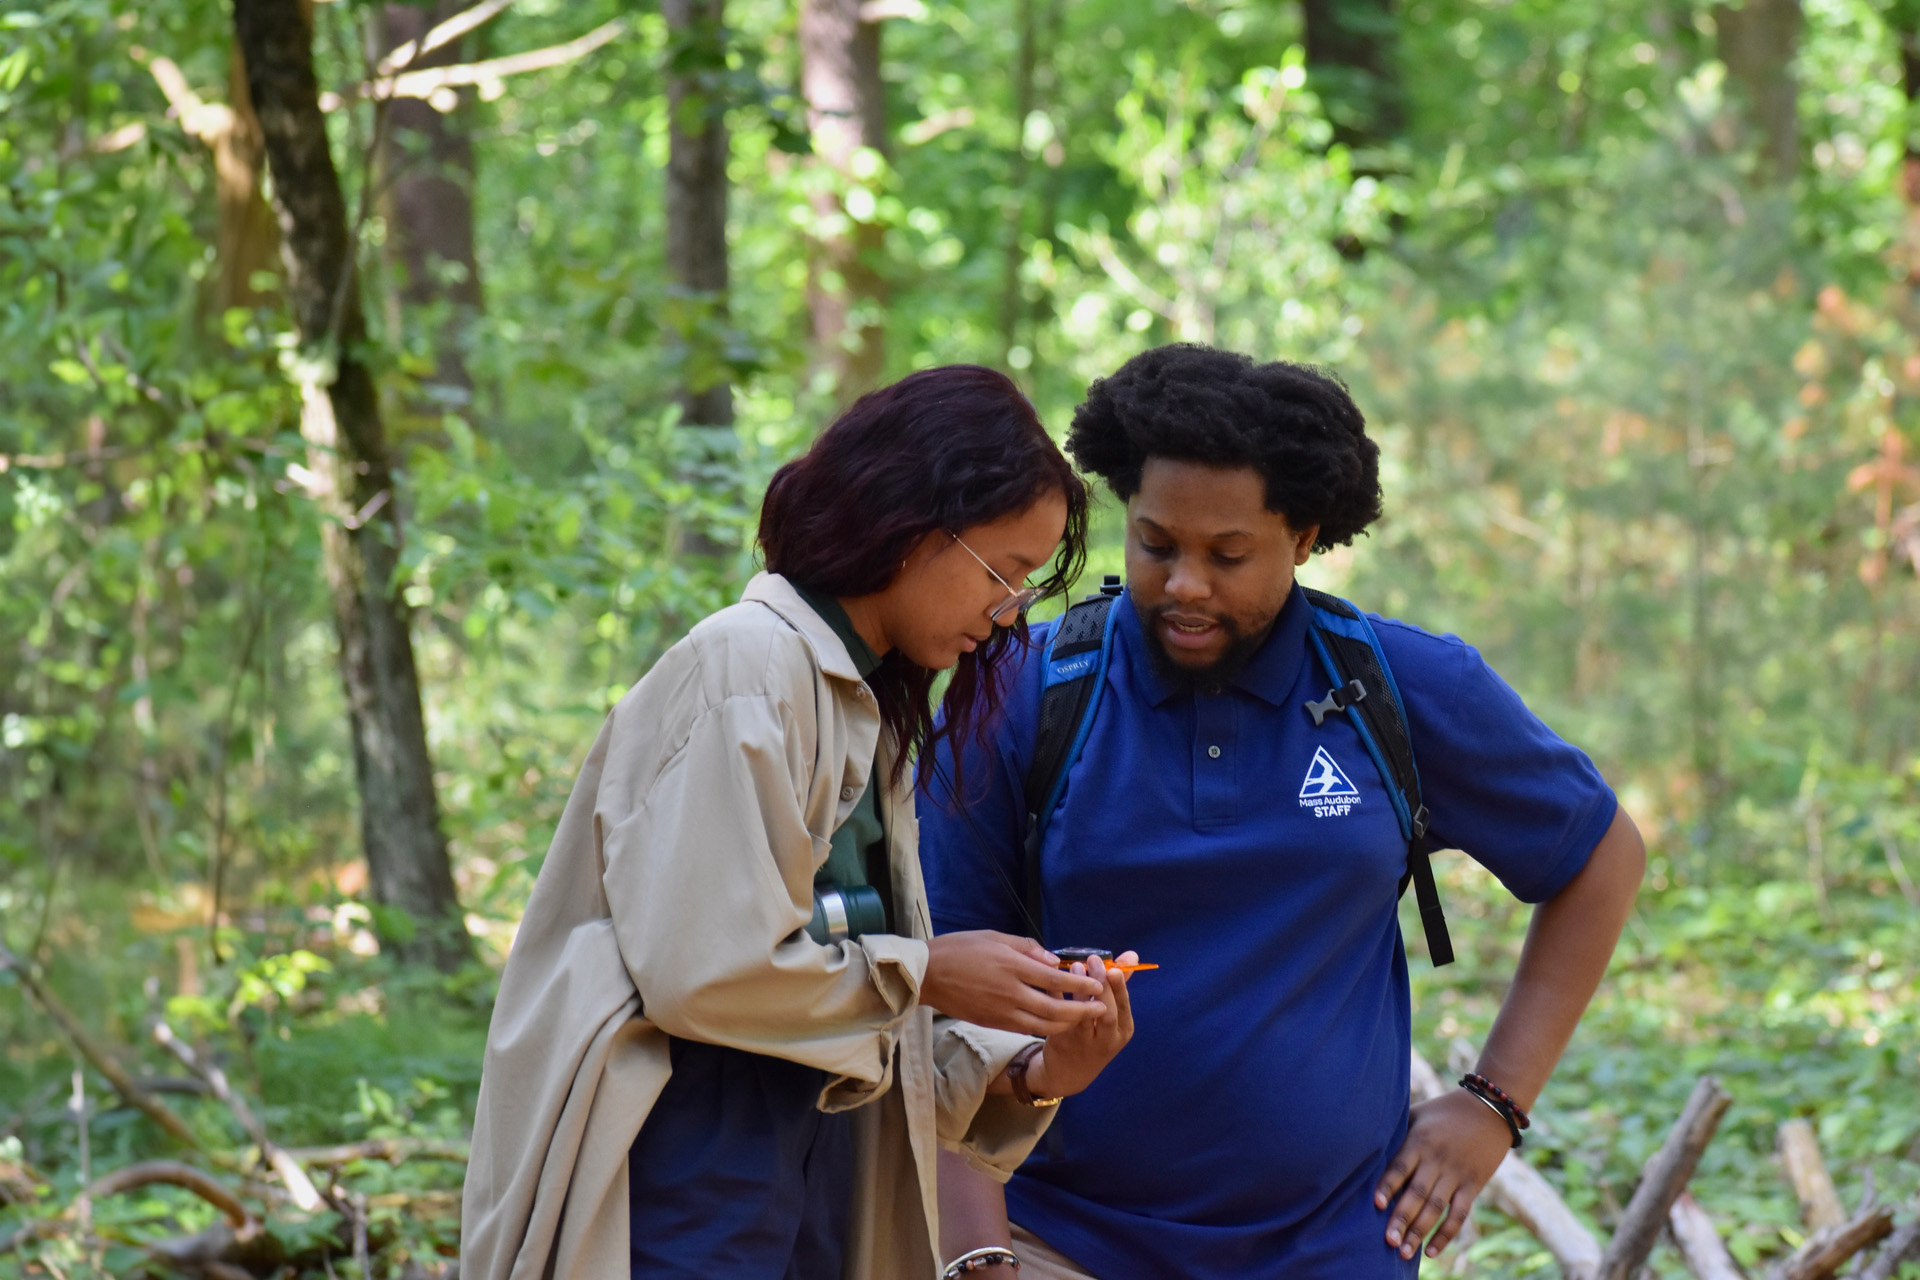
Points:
(1499, 1101)
(977, 1259)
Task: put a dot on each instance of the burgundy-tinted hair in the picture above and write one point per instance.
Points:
(942, 449)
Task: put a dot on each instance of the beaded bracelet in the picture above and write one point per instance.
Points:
(976, 1259)
(1500, 1101)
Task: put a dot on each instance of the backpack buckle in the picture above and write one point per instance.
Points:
(1420, 822)
(1337, 700)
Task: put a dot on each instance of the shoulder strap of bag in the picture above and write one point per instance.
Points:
(1363, 686)
(1075, 672)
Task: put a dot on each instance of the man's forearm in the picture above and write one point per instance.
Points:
(1568, 946)
(973, 1210)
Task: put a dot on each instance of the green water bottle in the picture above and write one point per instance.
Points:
(844, 912)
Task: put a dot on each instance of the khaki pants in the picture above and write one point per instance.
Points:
(1040, 1261)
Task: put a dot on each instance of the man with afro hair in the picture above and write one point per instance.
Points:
(1258, 1124)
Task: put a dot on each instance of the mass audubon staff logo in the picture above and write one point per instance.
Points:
(1327, 791)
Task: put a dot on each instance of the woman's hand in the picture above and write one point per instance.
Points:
(1454, 1143)
(1071, 1059)
(1002, 981)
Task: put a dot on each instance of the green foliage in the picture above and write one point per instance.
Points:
(1643, 417)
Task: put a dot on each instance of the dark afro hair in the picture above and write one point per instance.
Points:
(1295, 425)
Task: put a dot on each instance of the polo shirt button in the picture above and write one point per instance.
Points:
(846, 793)
(1213, 753)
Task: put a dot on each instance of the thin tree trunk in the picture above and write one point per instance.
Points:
(846, 110)
(426, 168)
(249, 241)
(1351, 47)
(1757, 42)
(353, 482)
(697, 198)
(1905, 19)
(1025, 63)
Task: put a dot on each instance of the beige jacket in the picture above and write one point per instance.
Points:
(673, 901)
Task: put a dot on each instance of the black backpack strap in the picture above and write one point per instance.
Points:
(1075, 667)
(1365, 689)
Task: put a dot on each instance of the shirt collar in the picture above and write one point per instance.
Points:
(834, 614)
(1269, 675)
(783, 598)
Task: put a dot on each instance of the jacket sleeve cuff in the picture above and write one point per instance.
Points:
(992, 1131)
(895, 965)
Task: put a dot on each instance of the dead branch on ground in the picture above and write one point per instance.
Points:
(96, 1051)
(1902, 1246)
(1661, 1204)
(1827, 1250)
(1698, 1241)
(391, 1150)
(299, 1186)
(1807, 1171)
(1663, 1179)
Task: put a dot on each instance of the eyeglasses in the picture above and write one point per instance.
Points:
(1018, 600)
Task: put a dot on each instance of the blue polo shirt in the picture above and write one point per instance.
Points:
(1255, 858)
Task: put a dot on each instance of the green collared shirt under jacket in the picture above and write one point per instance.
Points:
(859, 853)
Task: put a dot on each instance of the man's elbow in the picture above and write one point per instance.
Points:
(1619, 861)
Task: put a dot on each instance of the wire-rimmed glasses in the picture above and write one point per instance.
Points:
(1019, 599)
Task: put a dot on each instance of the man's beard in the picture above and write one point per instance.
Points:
(1208, 679)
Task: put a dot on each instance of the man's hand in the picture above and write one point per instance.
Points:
(1071, 1059)
(999, 980)
(1454, 1143)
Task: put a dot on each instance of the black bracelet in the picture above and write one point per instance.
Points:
(1499, 1101)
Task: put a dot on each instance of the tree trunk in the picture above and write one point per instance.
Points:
(1351, 48)
(697, 200)
(248, 242)
(1757, 42)
(1905, 19)
(352, 480)
(846, 110)
(1025, 64)
(426, 170)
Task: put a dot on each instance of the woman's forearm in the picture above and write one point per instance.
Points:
(1568, 946)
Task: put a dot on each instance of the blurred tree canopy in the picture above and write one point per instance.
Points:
(1630, 292)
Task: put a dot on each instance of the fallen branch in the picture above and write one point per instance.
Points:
(1698, 1241)
(392, 1150)
(1902, 1246)
(174, 1174)
(1517, 1190)
(1807, 1171)
(299, 1186)
(97, 1053)
(445, 1203)
(185, 1086)
(1663, 1179)
(1826, 1251)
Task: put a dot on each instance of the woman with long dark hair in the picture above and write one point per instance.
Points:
(726, 1044)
